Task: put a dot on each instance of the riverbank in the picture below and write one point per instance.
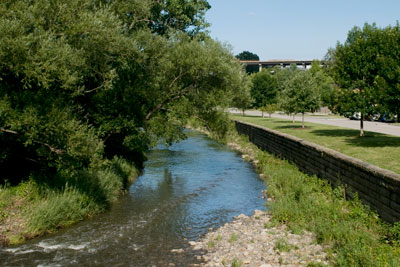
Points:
(32, 209)
(257, 241)
(346, 230)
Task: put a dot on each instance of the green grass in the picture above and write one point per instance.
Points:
(353, 235)
(33, 209)
(236, 263)
(375, 148)
(283, 246)
(233, 238)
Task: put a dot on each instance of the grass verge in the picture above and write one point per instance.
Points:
(33, 209)
(375, 148)
(354, 234)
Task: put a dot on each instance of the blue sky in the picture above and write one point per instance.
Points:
(294, 29)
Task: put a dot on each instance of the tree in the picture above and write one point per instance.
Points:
(264, 89)
(388, 70)
(269, 108)
(324, 82)
(242, 98)
(300, 94)
(83, 82)
(357, 67)
(246, 55)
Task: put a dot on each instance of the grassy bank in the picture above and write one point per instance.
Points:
(375, 148)
(354, 234)
(33, 208)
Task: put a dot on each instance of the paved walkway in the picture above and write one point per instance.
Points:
(371, 126)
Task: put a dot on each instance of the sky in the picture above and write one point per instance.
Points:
(294, 29)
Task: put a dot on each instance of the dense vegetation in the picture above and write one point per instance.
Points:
(359, 76)
(354, 235)
(87, 86)
(366, 69)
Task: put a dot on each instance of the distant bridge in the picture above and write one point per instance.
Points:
(281, 63)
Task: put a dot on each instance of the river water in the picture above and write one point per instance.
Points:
(185, 189)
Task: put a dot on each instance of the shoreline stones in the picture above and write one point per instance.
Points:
(255, 241)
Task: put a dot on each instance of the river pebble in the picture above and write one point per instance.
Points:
(255, 241)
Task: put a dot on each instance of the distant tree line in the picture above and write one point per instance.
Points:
(361, 75)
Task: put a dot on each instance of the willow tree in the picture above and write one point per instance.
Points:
(83, 81)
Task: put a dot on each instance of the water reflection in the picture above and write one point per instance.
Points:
(184, 190)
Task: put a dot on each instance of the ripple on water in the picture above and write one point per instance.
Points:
(185, 189)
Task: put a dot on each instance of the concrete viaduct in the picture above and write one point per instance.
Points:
(272, 63)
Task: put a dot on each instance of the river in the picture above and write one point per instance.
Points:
(185, 190)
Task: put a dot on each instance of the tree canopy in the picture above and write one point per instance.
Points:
(247, 55)
(84, 81)
(301, 94)
(264, 89)
(366, 70)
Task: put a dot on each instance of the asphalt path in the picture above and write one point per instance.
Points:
(370, 126)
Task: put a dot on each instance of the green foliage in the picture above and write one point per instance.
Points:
(88, 86)
(236, 263)
(366, 69)
(283, 246)
(246, 55)
(301, 94)
(233, 238)
(263, 89)
(80, 197)
(85, 81)
(269, 108)
(60, 209)
(355, 235)
(324, 83)
(242, 98)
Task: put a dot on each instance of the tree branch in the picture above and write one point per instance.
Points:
(7, 131)
(166, 101)
(52, 149)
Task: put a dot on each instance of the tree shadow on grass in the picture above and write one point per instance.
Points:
(295, 126)
(353, 137)
(284, 121)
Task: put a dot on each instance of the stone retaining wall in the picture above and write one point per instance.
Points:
(376, 187)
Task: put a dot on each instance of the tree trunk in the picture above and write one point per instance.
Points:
(293, 117)
(243, 112)
(302, 120)
(361, 124)
(262, 113)
(270, 115)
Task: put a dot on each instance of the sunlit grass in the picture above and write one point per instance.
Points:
(375, 148)
(351, 233)
(32, 209)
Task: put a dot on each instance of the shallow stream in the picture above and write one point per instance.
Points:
(185, 189)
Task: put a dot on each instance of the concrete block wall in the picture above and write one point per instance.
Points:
(376, 187)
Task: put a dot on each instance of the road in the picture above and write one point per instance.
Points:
(371, 126)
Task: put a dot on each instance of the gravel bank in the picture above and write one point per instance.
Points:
(255, 241)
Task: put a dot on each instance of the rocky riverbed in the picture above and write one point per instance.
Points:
(255, 241)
